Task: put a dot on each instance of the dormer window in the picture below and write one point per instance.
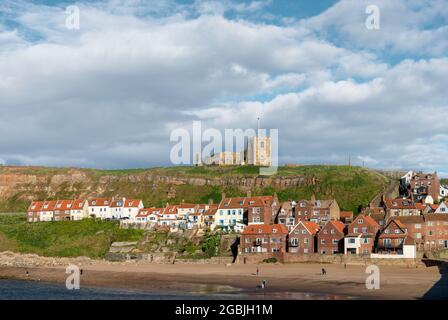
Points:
(260, 231)
(274, 230)
(58, 205)
(94, 203)
(360, 221)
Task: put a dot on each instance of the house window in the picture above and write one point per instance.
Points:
(351, 240)
(335, 241)
(332, 231)
(397, 231)
(364, 229)
(322, 241)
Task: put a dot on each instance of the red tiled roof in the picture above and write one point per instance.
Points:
(63, 205)
(148, 211)
(265, 229)
(48, 205)
(78, 204)
(187, 205)
(35, 206)
(367, 219)
(232, 203)
(312, 227)
(337, 224)
(400, 203)
(131, 203)
(100, 202)
(346, 214)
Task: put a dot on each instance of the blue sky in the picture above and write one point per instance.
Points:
(109, 94)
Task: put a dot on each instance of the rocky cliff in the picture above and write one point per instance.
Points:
(351, 186)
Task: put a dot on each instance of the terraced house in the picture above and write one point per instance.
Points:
(264, 238)
(361, 236)
(330, 239)
(302, 238)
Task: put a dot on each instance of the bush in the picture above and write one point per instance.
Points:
(270, 260)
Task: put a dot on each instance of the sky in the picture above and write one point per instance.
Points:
(109, 94)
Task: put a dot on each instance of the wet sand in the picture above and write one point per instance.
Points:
(290, 281)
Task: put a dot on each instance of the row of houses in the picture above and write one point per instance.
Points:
(78, 209)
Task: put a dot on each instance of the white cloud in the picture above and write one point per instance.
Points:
(108, 94)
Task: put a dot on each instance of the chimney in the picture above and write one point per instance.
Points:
(249, 193)
(223, 196)
(210, 202)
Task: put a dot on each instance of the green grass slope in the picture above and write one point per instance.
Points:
(91, 238)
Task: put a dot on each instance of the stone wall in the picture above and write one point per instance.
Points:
(331, 259)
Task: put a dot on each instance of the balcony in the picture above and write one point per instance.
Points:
(257, 243)
(293, 244)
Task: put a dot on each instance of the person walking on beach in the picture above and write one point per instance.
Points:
(324, 272)
(258, 271)
(27, 274)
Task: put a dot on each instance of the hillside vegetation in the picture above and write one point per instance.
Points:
(90, 238)
(350, 186)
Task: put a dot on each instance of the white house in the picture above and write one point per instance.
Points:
(230, 212)
(100, 208)
(131, 208)
(169, 216)
(116, 208)
(47, 210)
(150, 215)
(443, 191)
(79, 210)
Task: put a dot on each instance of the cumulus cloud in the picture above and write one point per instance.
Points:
(108, 95)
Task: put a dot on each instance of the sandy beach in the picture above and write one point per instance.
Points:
(289, 281)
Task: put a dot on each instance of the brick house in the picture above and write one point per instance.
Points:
(436, 232)
(361, 236)
(393, 237)
(400, 207)
(260, 209)
(302, 238)
(286, 214)
(264, 238)
(422, 185)
(330, 238)
(346, 217)
(318, 211)
(416, 228)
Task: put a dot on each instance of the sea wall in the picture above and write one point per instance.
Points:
(330, 259)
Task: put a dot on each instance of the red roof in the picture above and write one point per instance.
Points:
(265, 229)
(131, 203)
(347, 214)
(49, 205)
(78, 204)
(100, 202)
(148, 211)
(400, 203)
(367, 219)
(63, 205)
(35, 206)
(312, 227)
(186, 205)
(338, 225)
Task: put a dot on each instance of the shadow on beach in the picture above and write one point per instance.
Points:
(439, 290)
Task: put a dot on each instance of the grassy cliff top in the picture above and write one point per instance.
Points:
(350, 186)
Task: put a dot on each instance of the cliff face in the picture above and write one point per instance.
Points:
(20, 185)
